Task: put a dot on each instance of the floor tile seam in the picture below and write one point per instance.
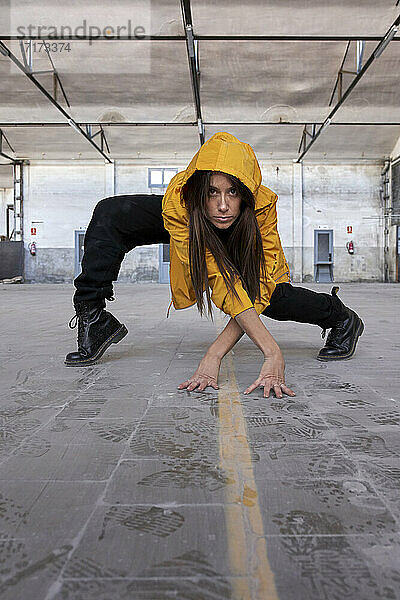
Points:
(176, 351)
(100, 444)
(128, 441)
(53, 590)
(193, 578)
(319, 480)
(168, 505)
(390, 428)
(99, 418)
(44, 425)
(375, 535)
(55, 586)
(321, 431)
(98, 504)
(169, 463)
(245, 465)
(39, 480)
(116, 397)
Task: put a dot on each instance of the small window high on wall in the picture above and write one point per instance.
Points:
(160, 177)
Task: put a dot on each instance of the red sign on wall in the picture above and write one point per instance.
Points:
(349, 229)
(33, 230)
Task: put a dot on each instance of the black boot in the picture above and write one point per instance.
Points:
(343, 337)
(97, 330)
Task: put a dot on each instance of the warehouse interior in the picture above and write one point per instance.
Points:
(114, 484)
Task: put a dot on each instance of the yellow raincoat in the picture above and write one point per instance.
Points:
(223, 152)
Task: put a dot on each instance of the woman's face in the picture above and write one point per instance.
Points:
(223, 202)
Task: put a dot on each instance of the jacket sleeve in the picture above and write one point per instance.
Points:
(277, 267)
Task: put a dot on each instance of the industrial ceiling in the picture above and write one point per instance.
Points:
(269, 72)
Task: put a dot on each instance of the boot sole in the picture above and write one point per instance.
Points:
(113, 339)
(349, 354)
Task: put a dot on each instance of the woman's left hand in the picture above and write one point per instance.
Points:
(272, 378)
(206, 375)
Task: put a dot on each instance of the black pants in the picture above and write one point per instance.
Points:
(121, 223)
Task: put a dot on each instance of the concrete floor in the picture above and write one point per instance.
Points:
(116, 486)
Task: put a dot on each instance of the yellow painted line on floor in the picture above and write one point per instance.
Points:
(252, 575)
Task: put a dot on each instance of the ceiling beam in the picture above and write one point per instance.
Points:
(206, 38)
(7, 52)
(209, 123)
(375, 54)
(3, 154)
(12, 160)
(339, 78)
(192, 54)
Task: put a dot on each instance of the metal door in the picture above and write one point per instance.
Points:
(79, 239)
(323, 255)
(164, 263)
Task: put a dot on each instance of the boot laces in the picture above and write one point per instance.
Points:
(335, 332)
(73, 322)
(80, 321)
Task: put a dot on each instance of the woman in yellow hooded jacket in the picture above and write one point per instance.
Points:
(221, 223)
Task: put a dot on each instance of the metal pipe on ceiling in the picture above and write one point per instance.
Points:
(4, 155)
(206, 38)
(375, 54)
(208, 123)
(7, 52)
(192, 54)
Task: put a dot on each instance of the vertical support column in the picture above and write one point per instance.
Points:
(18, 201)
(386, 210)
(297, 220)
(109, 179)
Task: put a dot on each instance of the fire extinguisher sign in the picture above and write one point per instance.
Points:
(33, 230)
(349, 229)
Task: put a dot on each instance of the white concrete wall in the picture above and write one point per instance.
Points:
(338, 196)
(329, 196)
(60, 197)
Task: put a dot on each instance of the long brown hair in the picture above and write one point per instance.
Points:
(242, 257)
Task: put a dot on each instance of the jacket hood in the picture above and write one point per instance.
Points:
(224, 152)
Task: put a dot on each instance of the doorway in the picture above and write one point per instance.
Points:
(164, 263)
(323, 255)
(79, 240)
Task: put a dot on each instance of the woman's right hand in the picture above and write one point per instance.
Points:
(272, 377)
(206, 375)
